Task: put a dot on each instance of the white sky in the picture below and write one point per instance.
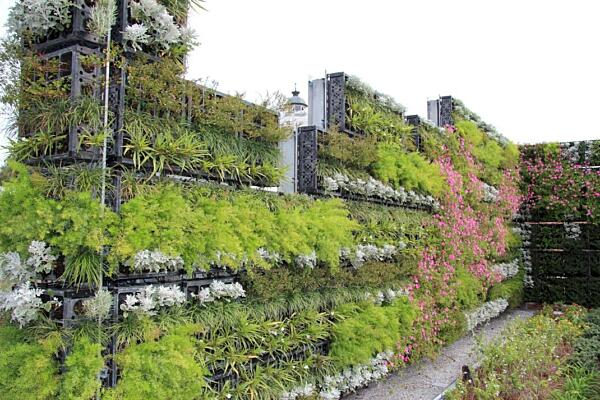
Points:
(529, 67)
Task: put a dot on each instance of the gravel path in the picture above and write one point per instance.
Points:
(428, 379)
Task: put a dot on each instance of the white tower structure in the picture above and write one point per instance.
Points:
(295, 115)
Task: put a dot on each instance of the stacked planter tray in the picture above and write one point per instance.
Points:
(83, 80)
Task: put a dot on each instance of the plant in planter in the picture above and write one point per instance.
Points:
(154, 26)
(35, 18)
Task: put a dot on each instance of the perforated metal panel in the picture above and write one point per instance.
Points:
(307, 159)
(336, 99)
(446, 111)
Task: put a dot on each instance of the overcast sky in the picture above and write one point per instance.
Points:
(529, 67)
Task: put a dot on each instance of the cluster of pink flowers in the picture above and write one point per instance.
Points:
(558, 189)
(470, 232)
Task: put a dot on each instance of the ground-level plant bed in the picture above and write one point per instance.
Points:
(532, 360)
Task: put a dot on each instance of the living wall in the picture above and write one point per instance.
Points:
(561, 221)
(330, 269)
(188, 288)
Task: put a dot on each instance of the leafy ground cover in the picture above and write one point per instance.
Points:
(540, 358)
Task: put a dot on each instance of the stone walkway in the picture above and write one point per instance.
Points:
(428, 379)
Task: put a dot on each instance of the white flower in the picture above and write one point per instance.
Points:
(39, 17)
(507, 270)
(160, 27)
(484, 313)
(490, 193)
(273, 258)
(333, 387)
(204, 296)
(155, 261)
(12, 271)
(151, 298)
(23, 302)
(572, 230)
(98, 307)
(220, 290)
(136, 34)
(40, 257)
(307, 261)
(369, 252)
(374, 188)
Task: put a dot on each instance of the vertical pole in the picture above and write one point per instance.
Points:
(108, 16)
(106, 110)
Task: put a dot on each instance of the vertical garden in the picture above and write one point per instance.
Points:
(189, 281)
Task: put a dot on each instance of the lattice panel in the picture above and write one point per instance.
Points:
(307, 159)
(446, 111)
(336, 99)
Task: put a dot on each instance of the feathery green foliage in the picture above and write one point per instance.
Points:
(28, 370)
(167, 368)
(80, 380)
(409, 170)
(365, 329)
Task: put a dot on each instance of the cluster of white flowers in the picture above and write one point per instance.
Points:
(370, 252)
(273, 258)
(334, 387)
(98, 307)
(151, 298)
(307, 260)
(39, 17)
(374, 188)
(572, 230)
(24, 303)
(385, 296)
(40, 257)
(528, 267)
(155, 26)
(490, 193)
(577, 152)
(136, 34)
(524, 231)
(18, 296)
(220, 290)
(507, 270)
(300, 391)
(12, 270)
(356, 257)
(571, 151)
(486, 312)
(155, 261)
